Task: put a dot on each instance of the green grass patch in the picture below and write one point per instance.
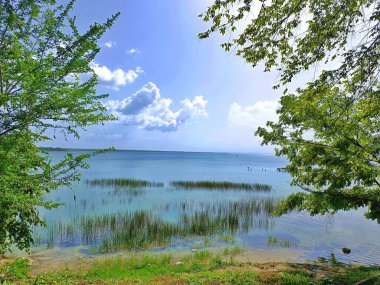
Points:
(232, 251)
(199, 268)
(295, 278)
(227, 277)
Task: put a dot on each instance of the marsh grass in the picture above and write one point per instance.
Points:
(119, 191)
(145, 229)
(206, 242)
(227, 238)
(221, 185)
(232, 251)
(123, 182)
(228, 218)
(279, 242)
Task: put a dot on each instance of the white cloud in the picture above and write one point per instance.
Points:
(109, 44)
(147, 110)
(133, 50)
(253, 116)
(138, 69)
(114, 79)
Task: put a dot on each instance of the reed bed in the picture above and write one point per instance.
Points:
(228, 218)
(139, 230)
(145, 229)
(123, 182)
(127, 191)
(221, 185)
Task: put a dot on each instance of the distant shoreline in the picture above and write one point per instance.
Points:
(149, 150)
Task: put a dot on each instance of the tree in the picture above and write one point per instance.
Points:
(42, 93)
(329, 129)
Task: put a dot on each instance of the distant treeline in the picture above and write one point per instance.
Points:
(54, 148)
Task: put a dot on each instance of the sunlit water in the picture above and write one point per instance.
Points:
(314, 237)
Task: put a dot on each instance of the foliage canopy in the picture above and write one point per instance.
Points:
(329, 129)
(42, 93)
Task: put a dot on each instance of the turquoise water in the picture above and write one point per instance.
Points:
(317, 236)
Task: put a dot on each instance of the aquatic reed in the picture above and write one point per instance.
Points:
(123, 182)
(280, 242)
(222, 185)
(145, 229)
(127, 191)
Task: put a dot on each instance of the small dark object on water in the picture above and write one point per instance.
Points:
(75, 198)
(346, 250)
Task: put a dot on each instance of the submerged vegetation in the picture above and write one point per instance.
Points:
(123, 182)
(120, 191)
(223, 185)
(198, 268)
(279, 242)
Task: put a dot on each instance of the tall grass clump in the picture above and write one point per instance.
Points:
(221, 185)
(227, 218)
(123, 182)
(138, 230)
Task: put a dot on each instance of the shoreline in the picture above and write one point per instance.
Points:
(199, 267)
(49, 260)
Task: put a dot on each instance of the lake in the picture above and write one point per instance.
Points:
(98, 218)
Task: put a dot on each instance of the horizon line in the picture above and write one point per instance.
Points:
(150, 150)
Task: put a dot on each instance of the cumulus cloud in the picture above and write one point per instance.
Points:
(133, 50)
(254, 115)
(114, 79)
(109, 44)
(148, 110)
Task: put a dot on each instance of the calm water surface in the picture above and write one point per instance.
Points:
(317, 236)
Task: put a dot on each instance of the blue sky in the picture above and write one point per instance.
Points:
(170, 90)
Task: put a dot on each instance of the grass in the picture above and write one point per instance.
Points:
(199, 268)
(123, 182)
(138, 230)
(227, 238)
(221, 185)
(119, 191)
(279, 242)
(145, 229)
(232, 251)
(206, 242)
